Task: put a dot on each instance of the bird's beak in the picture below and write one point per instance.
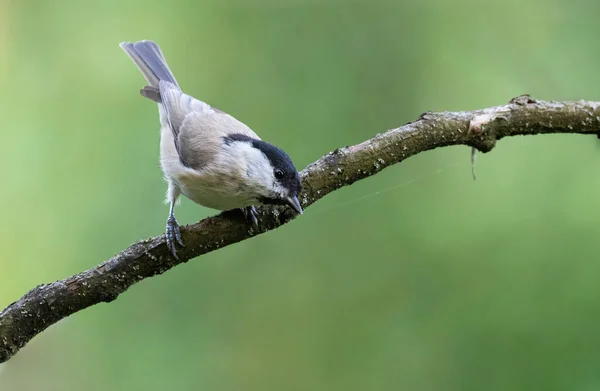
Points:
(293, 202)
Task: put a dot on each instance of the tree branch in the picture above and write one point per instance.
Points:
(46, 304)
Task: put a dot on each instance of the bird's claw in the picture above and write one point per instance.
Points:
(173, 235)
(251, 215)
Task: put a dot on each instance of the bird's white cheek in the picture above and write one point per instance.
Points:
(258, 180)
(258, 172)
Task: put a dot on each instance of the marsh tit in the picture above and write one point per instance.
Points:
(207, 155)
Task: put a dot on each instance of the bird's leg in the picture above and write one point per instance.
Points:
(173, 233)
(251, 215)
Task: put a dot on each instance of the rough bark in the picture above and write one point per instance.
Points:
(46, 304)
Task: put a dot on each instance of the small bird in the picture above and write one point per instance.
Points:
(207, 155)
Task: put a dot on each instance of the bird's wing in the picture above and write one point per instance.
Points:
(198, 129)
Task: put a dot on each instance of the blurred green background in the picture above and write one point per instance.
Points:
(416, 279)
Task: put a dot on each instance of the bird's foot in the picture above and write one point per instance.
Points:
(251, 215)
(173, 235)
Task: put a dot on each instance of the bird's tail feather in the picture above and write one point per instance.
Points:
(150, 60)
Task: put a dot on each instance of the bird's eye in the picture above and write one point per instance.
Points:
(279, 174)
